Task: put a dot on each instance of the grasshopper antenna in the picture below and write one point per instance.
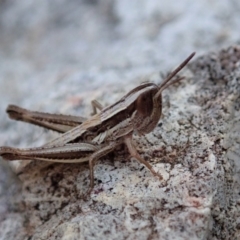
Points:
(166, 83)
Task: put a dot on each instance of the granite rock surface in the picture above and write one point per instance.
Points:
(58, 56)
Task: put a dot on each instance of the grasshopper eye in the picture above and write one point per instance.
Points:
(145, 104)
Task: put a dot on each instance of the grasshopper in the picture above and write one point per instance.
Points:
(87, 140)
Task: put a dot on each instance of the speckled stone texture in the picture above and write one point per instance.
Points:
(58, 55)
(195, 147)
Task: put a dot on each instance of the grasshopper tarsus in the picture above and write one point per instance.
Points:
(87, 140)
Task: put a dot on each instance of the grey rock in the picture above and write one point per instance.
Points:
(58, 56)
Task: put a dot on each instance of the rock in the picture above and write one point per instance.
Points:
(195, 147)
(58, 62)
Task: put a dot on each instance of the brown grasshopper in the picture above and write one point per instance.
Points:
(87, 140)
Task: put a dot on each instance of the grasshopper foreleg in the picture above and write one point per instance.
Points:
(133, 152)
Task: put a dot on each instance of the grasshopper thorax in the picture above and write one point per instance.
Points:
(148, 111)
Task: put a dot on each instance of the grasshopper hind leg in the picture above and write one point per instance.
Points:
(56, 122)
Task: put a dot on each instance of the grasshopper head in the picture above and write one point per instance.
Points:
(149, 103)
